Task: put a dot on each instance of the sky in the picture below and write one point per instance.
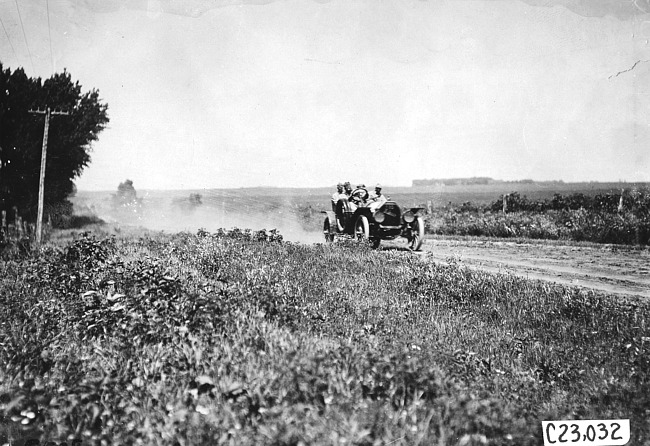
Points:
(306, 93)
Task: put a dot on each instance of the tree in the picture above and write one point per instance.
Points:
(126, 192)
(21, 138)
(126, 196)
(126, 201)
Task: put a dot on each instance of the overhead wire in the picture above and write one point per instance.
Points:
(49, 32)
(9, 40)
(20, 17)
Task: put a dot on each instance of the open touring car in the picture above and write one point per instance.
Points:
(386, 222)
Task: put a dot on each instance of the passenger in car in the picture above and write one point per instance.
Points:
(349, 205)
(377, 199)
(337, 195)
(347, 189)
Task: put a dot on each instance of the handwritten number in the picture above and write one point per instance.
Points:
(548, 433)
(591, 433)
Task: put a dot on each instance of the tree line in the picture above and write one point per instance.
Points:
(21, 138)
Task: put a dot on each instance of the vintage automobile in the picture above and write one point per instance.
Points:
(387, 222)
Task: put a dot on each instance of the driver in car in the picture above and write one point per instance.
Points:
(359, 195)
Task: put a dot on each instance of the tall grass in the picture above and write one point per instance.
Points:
(240, 338)
(604, 218)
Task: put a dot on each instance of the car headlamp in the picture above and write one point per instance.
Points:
(379, 217)
(409, 217)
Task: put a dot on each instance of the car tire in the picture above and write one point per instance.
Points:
(417, 234)
(362, 229)
(329, 236)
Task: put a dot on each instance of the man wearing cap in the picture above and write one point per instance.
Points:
(377, 199)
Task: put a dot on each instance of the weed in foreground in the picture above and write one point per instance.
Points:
(241, 338)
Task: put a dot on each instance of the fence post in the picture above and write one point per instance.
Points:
(4, 233)
(505, 203)
(620, 202)
(429, 207)
(19, 226)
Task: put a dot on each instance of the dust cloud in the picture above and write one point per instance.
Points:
(169, 213)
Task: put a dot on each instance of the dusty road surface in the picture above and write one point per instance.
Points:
(608, 268)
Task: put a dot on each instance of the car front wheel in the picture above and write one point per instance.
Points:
(362, 228)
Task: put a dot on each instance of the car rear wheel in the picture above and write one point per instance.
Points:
(362, 229)
(329, 236)
(417, 234)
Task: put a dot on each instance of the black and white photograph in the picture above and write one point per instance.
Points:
(325, 222)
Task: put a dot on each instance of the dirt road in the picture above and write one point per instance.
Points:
(608, 268)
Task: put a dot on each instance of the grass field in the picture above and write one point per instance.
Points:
(239, 338)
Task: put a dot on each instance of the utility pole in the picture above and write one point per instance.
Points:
(41, 182)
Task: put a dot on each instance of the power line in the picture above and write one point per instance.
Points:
(24, 35)
(9, 40)
(49, 31)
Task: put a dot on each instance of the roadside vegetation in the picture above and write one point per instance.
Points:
(238, 337)
(603, 218)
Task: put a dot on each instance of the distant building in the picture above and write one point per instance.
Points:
(524, 181)
(454, 181)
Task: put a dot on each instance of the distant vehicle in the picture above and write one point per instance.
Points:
(387, 222)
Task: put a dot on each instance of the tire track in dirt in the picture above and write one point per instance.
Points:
(606, 268)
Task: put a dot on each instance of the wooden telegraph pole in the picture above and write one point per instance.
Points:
(41, 182)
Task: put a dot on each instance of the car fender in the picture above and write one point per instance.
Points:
(364, 211)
